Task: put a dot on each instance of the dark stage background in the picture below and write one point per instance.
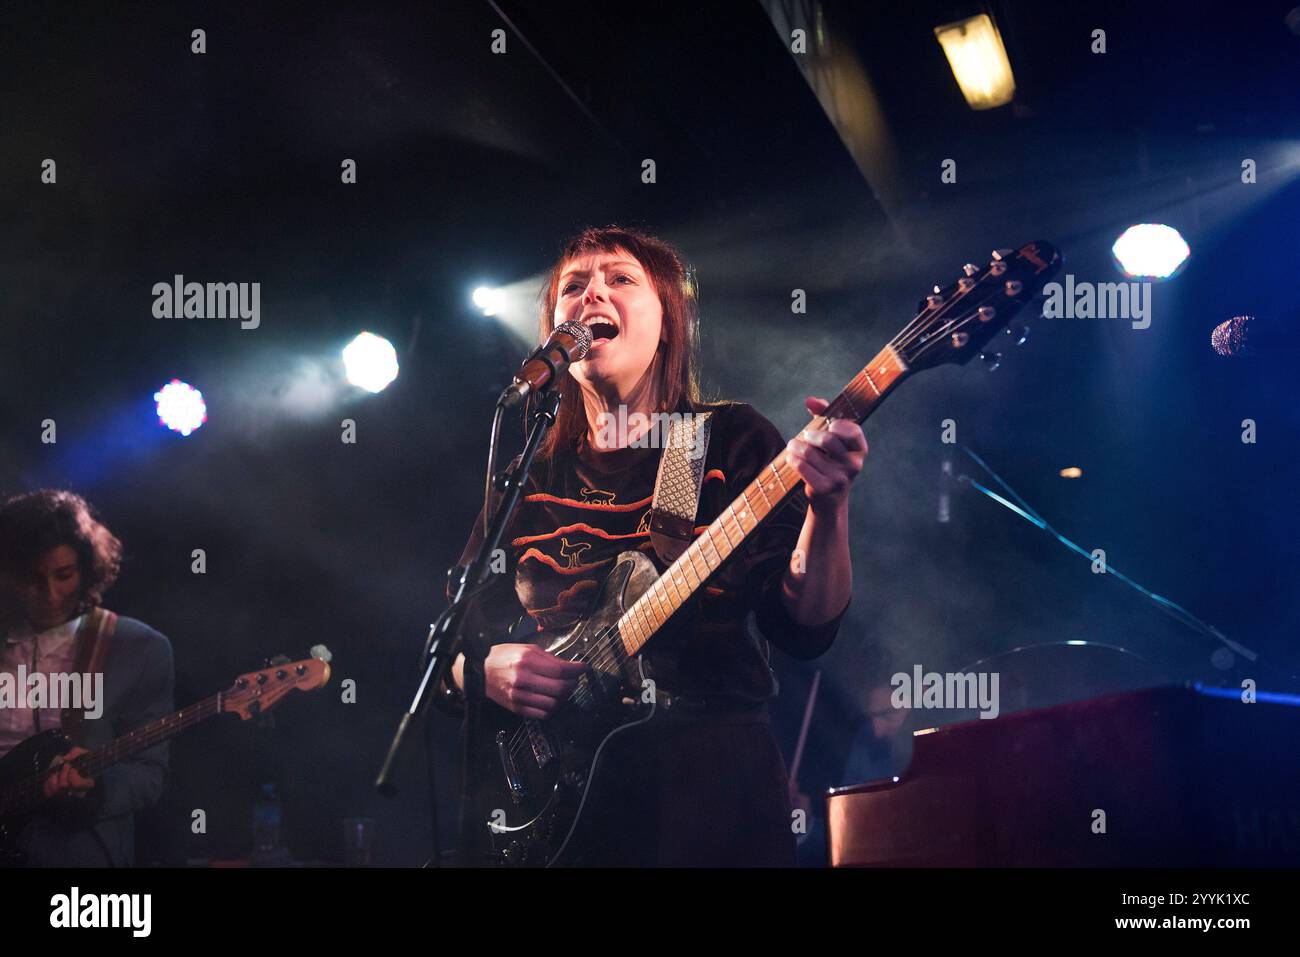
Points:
(471, 169)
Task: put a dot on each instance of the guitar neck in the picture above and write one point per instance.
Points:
(92, 763)
(761, 497)
(251, 694)
(25, 794)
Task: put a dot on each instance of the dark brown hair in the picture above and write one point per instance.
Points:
(675, 367)
(33, 524)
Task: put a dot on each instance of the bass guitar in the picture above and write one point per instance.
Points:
(24, 769)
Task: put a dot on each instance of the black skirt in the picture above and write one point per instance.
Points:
(688, 793)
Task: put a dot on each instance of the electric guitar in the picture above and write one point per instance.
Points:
(24, 769)
(532, 801)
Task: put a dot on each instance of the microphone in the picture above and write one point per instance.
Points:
(1248, 336)
(569, 343)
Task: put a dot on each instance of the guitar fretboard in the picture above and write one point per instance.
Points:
(27, 793)
(728, 531)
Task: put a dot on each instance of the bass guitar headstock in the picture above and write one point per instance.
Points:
(258, 691)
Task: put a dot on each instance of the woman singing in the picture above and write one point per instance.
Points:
(702, 783)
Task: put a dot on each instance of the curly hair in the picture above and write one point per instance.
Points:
(33, 524)
(675, 367)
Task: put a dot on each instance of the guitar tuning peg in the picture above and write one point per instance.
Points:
(991, 360)
(937, 289)
(1001, 254)
(970, 269)
(1014, 286)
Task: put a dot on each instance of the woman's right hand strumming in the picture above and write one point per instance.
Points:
(529, 681)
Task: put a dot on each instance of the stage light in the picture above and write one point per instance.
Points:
(489, 300)
(371, 362)
(978, 60)
(1072, 472)
(1150, 251)
(180, 407)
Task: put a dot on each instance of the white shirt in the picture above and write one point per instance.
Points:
(50, 652)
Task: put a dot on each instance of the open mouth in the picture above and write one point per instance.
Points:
(602, 331)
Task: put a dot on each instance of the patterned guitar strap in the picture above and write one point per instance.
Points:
(93, 636)
(677, 488)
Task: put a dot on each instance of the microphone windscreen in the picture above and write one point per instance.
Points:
(1229, 338)
(581, 335)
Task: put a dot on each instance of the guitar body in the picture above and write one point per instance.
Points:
(32, 757)
(532, 798)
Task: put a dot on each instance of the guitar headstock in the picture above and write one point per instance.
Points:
(258, 691)
(959, 321)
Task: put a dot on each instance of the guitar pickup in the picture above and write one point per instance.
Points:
(508, 768)
(542, 752)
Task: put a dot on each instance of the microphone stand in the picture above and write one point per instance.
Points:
(446, 639)
(1174, 610)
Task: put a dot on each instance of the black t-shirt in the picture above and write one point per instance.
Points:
(581, 509)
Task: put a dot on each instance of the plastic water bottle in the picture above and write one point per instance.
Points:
(266, 821)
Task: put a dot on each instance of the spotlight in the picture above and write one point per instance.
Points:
(180, 407)
(978, 60)
(1072, 472)
(1150, 251)
(370, 361)
(489, 300)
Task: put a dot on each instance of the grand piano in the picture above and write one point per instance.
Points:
(1173, 776)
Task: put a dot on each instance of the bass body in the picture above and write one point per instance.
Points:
(29, 759)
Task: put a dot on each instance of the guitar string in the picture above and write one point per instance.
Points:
(22, 792)
(603, 653)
